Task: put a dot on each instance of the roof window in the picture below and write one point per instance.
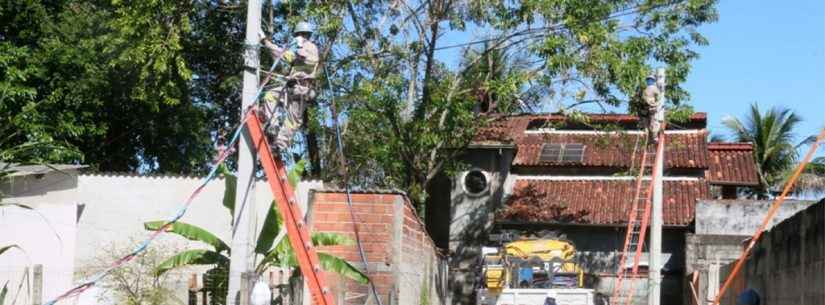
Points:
(561, 152)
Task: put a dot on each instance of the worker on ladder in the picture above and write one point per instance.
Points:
(652, 112)
(297, 91)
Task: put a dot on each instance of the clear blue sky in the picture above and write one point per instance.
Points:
(770, 52)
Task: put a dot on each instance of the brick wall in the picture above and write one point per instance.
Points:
(402, 259)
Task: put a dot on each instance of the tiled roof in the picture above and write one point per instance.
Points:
(685, 149)
(682, 150)
(597, 202)
(731, 163)
(507, 128)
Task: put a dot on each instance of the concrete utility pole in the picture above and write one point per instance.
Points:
(654, 276)
(243, 235)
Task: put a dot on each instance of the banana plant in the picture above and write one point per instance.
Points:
(275, 250)
(3, 292)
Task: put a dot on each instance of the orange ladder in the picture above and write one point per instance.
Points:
(293, 216)
(638, 219)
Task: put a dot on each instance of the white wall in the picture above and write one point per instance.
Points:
(47, 237)
(112, 210)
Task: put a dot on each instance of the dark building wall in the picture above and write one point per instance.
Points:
(470, 217)
(599, 251)
(787, 265)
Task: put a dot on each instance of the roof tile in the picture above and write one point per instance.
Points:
(603, 150)
(602, 202)
(731, 163)
(683, 150)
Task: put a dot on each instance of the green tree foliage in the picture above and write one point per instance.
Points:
(410, 111)
(108, 80)
(147, 85)
(772, 136)
(135, 283)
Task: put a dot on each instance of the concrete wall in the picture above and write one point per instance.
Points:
(739, 217)
(471, 218)
(402, 260)
(704, 254)
(95, 212)
(721, 228)
(787, 265)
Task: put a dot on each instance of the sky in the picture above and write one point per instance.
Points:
(767, 52)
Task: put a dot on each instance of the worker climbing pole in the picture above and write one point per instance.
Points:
(647, 195)
(287, 100)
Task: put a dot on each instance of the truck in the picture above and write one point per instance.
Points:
(530, 270)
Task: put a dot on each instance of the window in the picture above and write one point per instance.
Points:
(475, 182)
(566, 152)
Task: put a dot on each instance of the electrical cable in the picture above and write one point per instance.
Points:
(345, 175)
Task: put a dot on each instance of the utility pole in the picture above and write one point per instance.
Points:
(242, 258)
(654, 276)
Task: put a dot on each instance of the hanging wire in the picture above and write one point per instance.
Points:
(345, 175)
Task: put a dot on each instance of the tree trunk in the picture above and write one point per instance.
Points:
(312, 148)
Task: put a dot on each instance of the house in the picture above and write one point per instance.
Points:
(545, 172)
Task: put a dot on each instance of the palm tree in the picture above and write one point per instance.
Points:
(772, 136)
(274, 250)
(812, 178)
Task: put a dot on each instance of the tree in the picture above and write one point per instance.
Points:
(772, 136)
(146, 86)
(136, 283)
(811, 180)
(106, 79)
(271, 245)
(409, 115)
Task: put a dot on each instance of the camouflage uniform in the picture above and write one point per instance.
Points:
(295, 95)
(652, 119)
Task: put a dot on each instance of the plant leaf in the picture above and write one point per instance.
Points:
(271, 227)
(190, 232)
(3, 292)
(6, 248)
(191, 257)
(330, 239)
(273, 221)
(342, 267)
(231, 183)
(11, 204)
(295, 173)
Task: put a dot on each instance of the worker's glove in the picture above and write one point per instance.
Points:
(289, 56)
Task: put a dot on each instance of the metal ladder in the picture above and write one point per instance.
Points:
(293, 217)
(638, 220)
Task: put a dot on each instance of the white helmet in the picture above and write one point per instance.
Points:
(302, 27)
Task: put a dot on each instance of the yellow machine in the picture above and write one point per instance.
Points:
(532, 263)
